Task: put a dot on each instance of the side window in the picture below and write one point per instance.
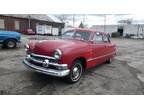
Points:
(98, 38)
(105, 39)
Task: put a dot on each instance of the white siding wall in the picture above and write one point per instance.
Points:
(111, 28)
(108, 28)
(2, 26)
(128, 29)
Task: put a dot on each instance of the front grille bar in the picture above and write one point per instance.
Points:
(42, 56)
(39, 61)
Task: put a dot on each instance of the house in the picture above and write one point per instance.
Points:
(21, 22)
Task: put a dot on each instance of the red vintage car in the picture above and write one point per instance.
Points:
(69, 57)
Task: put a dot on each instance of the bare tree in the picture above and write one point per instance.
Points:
(126, 21)
(62, 17)
(81, 25)
(71, 18)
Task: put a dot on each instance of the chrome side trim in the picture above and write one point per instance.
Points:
(53, 72)
(91, 59)
(48, 57)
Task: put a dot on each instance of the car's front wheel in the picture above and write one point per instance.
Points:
(76, 72)
(10, 43)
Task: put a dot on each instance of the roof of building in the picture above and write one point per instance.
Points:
(41, 17)
(54, 18)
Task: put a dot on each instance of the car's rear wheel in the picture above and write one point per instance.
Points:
(10, 43)
(109, 60)
(76, 72)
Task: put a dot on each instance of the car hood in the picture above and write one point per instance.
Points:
(47, 47)
(9, 33)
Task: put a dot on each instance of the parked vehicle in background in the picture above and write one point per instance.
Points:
(9, 39)
(69, 57)
(29, 32)
(115, 34)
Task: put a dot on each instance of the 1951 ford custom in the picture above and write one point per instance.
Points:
(78, 50)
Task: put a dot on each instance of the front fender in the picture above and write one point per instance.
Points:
(70, 55)
(4, 38)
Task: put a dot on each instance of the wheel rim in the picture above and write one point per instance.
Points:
(11, 44)
(76, 72)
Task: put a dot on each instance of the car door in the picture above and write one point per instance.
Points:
(108, 46)
(98, 48)
(2, 37)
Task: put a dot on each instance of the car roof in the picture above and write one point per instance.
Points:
(88, 30)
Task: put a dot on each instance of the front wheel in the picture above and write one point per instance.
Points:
(10, 43)
(76, 72)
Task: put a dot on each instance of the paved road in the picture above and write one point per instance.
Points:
(123, 76)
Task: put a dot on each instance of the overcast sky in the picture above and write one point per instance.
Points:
(110, 19)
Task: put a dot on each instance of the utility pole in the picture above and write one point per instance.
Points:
(138, 28)
(73, 20)
(104, 23)
(84, 19)
(29, 18)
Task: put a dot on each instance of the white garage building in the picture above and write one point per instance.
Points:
(136, 29)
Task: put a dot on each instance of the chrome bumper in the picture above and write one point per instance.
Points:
(52, 72)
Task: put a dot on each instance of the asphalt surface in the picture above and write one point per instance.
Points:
(124, 76)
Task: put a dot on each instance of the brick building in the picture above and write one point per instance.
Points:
(21, 22)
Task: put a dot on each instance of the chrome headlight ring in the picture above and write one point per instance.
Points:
(26, 47)
(57, 54)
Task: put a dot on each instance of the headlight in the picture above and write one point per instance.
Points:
(57, 54)
(26, 47)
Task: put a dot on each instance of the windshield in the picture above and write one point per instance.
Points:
(79, 35)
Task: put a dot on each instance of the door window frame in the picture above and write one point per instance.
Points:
(108, 39)
(97, 34)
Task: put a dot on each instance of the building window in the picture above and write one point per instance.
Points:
(2, 24)
(17, 25)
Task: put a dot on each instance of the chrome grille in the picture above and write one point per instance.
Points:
(41, 58)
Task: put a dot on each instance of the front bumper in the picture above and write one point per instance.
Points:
(48, 71)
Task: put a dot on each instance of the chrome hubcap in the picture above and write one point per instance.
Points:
(76, 72)
(11, 44)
